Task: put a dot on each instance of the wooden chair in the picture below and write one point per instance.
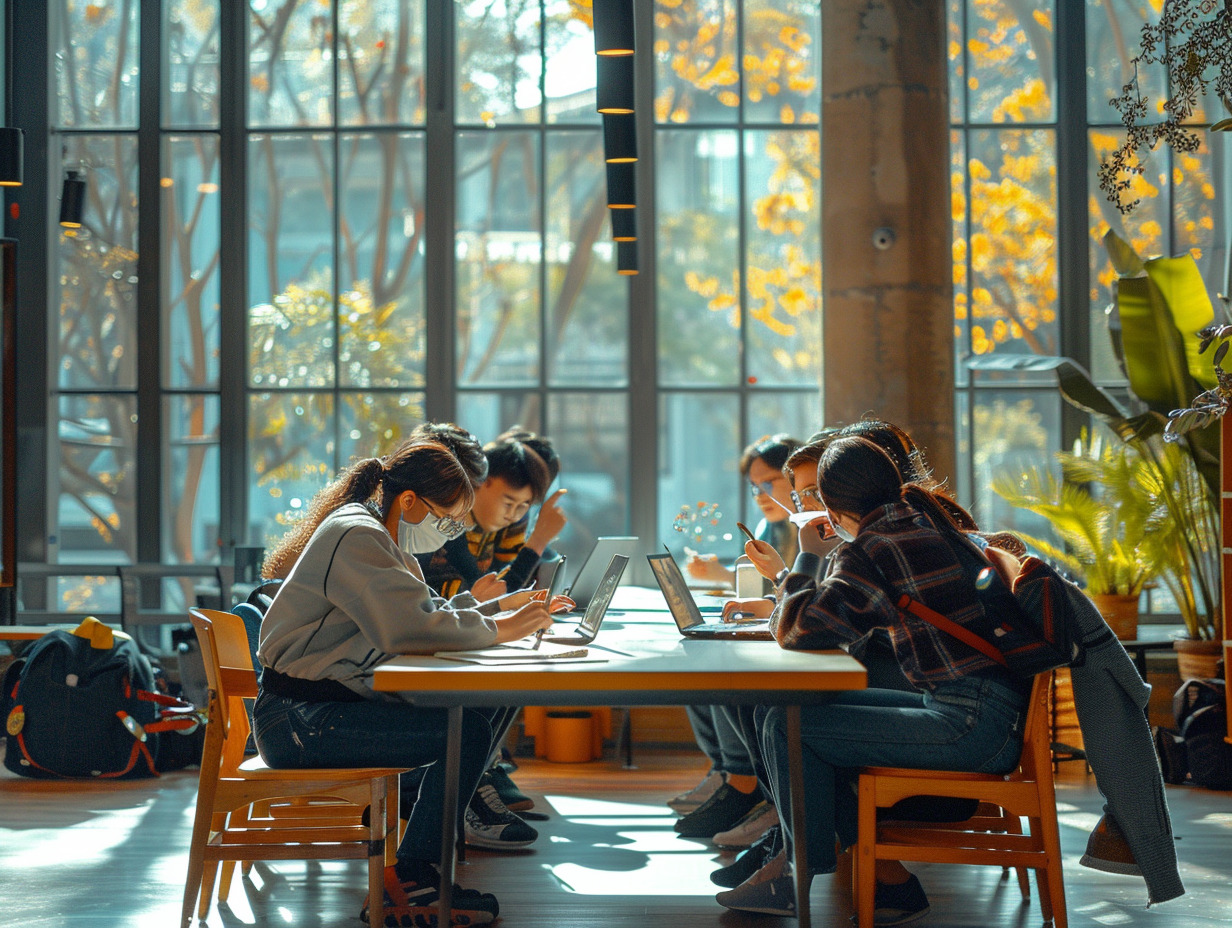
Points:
(991, 838)
(247, 811)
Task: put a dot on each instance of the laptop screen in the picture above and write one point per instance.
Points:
(550, 575)
(675, 590)
(591, 572)
(603, 596)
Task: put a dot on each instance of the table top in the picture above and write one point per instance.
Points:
(643, 665)
(29, 632)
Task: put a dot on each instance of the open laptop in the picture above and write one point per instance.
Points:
(585, 631)
(591, 573)
(685, 612)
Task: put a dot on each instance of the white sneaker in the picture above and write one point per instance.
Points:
(687, 802)
(490, 825)
(760, 819)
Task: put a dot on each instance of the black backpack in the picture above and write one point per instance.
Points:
(86, 704)
(1202, 722)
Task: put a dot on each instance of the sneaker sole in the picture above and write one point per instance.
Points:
(764, 910)
(904, 920)
(495, 844)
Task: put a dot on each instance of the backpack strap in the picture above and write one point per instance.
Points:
(937, 620)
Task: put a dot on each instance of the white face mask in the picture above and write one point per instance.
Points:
(422, 537)
(840, 531)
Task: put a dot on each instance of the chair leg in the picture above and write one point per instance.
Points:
(378, 837)
(1050, 835)
(1013, 826)
(864, 865)
(206, 792)
(224, 880)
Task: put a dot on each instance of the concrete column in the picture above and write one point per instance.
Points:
(889, 315)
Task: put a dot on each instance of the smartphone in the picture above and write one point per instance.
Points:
(745, 529)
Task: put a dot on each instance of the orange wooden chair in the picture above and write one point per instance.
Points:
(990, 838)
(247, 811)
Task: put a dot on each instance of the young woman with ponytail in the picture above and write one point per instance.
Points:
(353, 598)
(967, 712)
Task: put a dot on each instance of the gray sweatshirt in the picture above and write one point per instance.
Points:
(353, 601)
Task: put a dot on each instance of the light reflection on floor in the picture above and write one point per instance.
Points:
(666, 864)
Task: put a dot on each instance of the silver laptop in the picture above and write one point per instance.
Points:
(591, 573)
(586, 630)
(685, 612)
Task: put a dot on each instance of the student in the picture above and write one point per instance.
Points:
(761, 463)
(967, 715)
(729, 791)
(499, 544)
(353, 599)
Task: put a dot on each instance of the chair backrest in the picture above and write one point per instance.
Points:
(229, 674)
(1036, 761)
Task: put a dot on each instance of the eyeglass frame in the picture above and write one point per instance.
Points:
(811, 492)
(766, 487)
(448, 526)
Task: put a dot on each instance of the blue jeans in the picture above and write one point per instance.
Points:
(974, 724)
(719, 740)
(294, 734)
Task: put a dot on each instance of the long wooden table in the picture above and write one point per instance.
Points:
(663, 669)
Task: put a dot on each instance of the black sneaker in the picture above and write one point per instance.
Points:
(514, 799)
(490, 825)
(898, 903)
(749, 862)
(718, 813)
(415, 901)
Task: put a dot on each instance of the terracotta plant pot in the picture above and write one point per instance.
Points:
(1195, 658)
(1120, 612)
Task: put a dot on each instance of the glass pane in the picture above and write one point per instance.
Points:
(589, 432)
(1113, 39)
(190, 89)
(499, 62)
(95, 58)
(962, 435)
(95, 518)
(782, 61)
(587, 325)
(381, 62)
(783, 265)
(191, 215)
(957, 60)
(371, 424)
(1013, 241)
(290, 63)
(498, 252)
(98, 270)
(192, 504)
(1011, 66)
(698, 202)
(486, 415)
(1011, 430)
(1145, 229)
(71, 595)
(381, 278)
(290, 284)
(291, 455)
(699, 450)
(697, 77)
(1200, 219)
(961, 253)
(771, 412)
(569, 81)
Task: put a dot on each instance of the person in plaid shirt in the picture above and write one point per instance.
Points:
(967, 713)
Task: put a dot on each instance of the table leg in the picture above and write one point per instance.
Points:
(795, 762)
(449, 814)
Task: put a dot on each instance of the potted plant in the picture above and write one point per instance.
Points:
(1102, 510)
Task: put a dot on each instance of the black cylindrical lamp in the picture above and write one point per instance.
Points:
(12, 145)
(613, 27)
(626, 258)
(621, 186)
(614, 83)
(624, 225)
(72, 200)
(619, 137)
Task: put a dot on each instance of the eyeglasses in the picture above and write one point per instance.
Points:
(757, 489)
(807, 492)
(448, 526)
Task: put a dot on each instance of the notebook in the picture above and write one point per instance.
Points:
(684, 610)
(591, 572)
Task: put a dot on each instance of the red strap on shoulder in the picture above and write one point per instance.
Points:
(937, 620)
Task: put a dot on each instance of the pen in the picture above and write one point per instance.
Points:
(538, 639)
